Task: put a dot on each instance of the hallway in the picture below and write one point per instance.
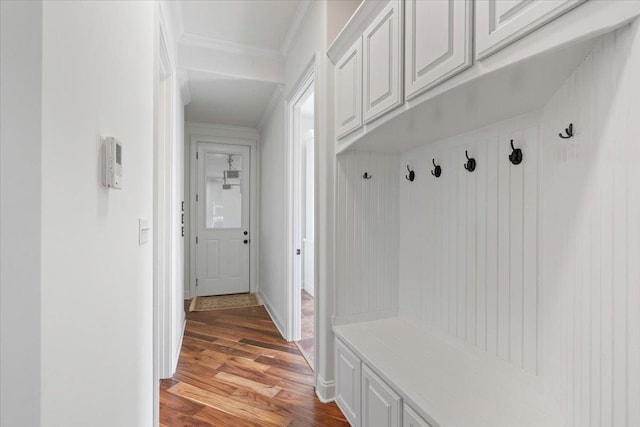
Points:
(235, 369)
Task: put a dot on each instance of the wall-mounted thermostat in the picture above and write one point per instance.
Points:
(112, 167)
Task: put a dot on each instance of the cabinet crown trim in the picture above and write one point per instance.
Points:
(354, 28)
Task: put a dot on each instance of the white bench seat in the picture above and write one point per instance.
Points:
(448, 386)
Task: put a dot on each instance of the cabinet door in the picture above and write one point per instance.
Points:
(410, 418)
(501, 22)
(348, 383)
(382, 82)
(437, 42)
(348, 91)
(380, 405)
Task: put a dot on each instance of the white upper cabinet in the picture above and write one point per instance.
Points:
(382, 47)
(438, 36)
(348, 90)
(380, 404)
(501, 22)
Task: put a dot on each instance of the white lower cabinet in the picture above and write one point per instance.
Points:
(380, 404)
(411, 419)
(348, 383)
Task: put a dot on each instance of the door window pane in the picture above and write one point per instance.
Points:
(223, 196)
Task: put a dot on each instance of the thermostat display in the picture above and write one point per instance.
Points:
(112, 168)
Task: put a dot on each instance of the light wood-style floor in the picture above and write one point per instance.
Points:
(307, 339)
(236, 370)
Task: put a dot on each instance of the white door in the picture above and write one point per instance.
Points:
(437, 42)
(348, 91)
(382, 68)
(501, 22)
(222, 233)
(348, 383)
(380, 404)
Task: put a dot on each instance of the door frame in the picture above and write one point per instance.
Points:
(293, 262)
(254, 231)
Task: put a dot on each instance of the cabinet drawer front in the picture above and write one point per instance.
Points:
(437, 42)
(348, 91)
(382, 85)
(348, 383)
(380, 404)
(501, 22)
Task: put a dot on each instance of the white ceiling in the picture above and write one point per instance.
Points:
(227, 101)
(248, 25)
(257, 23)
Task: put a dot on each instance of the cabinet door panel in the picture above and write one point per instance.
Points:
(348, 91)
(382, 85)
(437, 41)
(410, 418)
(380, 405)
(501, 22)
(348, 383)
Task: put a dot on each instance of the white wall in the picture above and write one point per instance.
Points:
(272, 215)
(590, 248)
(99, 62)
(20, 181)
(367, 218)
(468, 252)
(179, 240)
(311, 40)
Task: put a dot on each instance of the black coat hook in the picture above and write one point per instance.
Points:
(471, 162)
(411, 176)
(516, 155)
(568, 131)
(437, 170)
(366, 175)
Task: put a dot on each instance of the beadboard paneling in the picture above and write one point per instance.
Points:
(590, 238)
(468, 241)
(367, 230)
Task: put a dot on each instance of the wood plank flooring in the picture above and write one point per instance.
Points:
(306, 343)
(236, 370)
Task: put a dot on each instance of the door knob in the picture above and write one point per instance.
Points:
(245, 233)
(246, 241)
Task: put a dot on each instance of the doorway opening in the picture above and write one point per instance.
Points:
(303, 177)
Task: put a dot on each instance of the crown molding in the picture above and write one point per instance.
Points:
(301, 14)
(353, 29)
(276, 97)
(190, 39)
(211, 129)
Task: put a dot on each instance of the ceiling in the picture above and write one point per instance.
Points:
(258, 23)
(249, 26)
(227, 101)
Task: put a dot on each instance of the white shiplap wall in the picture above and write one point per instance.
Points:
(468, 241)
(367, 236)
(591, 238)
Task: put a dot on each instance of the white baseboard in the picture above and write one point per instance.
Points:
(325, 390)
(177, 356)
(274, 316)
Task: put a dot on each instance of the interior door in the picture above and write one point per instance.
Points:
(223, 235)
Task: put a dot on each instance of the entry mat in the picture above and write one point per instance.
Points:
(223, 302)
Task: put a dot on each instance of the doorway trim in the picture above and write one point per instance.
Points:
(292, 293)
(253, 205)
